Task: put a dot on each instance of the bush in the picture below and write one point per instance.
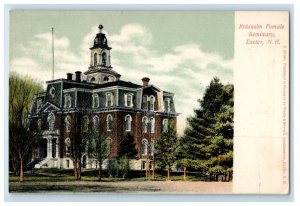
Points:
(118, 168)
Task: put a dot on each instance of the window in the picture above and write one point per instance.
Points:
(104, 59)
(165, 125)
(109, 122)
(145, 102)
(152, 100)
(39, 124)
(144, 124)
(128, 100)
(95, 59)
(152, 123)
(93, 80)
(152, 147)
(39, 104)
(128, 120)
(96, 122)
(68, 102)
(68, 145)
(68, 163)
(68, 123)
(108, 144)
(167, 104)
(51, 121)
(85, 124)
(95, 101)
(109, 99)
(144, 146)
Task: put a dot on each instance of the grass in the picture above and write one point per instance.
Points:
(61, 175)
(62, 180)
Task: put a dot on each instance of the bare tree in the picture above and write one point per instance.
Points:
(21, 138)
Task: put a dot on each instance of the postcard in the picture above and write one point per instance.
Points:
(149, 102)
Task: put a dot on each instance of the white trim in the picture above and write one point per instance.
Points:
(130, 122)
(126, 95)
(146, 124)
(95, 96)
(152, 127)
(146, 148)
(107, 125)
(106, 99)
(153, 103)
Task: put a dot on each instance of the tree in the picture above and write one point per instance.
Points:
(128, 148)
(100, 149)
(166, 147)
(80, 139)
(207, 145)
(21, 138)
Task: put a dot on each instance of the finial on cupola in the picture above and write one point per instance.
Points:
(100, 28)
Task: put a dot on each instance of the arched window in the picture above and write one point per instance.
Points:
(152, 100)
(165, 125)
(128, 121)
(96, 122)
(144, 124)
(39, 124)
(152, 147)
(109, 122)
(152, 123)
(51, 121)
(39, 104)
(95, 59)
(108, 144)
(68, 101)
(85, 124)
(95, 101)
(145, 102)
(167, 104)
(68, 145)
(104, 58)
(144, 146)
(128, 100)
(109, 99)
(68, 123)
(93, 79)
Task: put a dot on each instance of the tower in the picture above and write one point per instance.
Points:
(100, 70)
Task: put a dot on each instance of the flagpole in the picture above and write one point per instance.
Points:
(52, 54)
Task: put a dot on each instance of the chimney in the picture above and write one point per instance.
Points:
(145, 81)
(118, 76)
(69, 76)
(78, 76)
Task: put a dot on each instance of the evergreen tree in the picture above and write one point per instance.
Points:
(207, 145)
(166, 149)
(127, 147)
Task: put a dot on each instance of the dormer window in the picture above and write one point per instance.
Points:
(68, 101)
(167, 104)
(39, 104)
(128, 100)
(95, 101)
(109, 99)
(152, 100)
(145, 102)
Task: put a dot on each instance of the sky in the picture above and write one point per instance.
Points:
(180, 52)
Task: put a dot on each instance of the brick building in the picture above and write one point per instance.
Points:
(115, 107)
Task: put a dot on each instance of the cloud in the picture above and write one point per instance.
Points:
(184, 69)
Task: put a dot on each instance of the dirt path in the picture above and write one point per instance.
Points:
(123, 187)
